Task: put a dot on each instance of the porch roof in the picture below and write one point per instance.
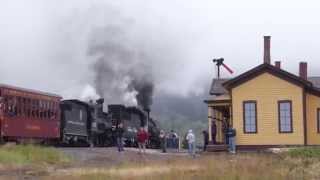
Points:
(222, 99)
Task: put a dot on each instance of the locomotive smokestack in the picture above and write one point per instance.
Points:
(99, 106)
(148, 117)
(277, 64)
(100, 101)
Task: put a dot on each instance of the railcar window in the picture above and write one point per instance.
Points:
(37, 108)
(18, 106)
(55, 109)
(5, 105)
(11, 106)
(32, 108)
(48, 110)
(44, 109)
(51, 110)
(15, 110)
(24, 104)
(80, 115)
(40, 109)
(29, 107)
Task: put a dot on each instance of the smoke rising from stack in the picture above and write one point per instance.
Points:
(121, 72)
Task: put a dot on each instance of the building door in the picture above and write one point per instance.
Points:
(222, 120)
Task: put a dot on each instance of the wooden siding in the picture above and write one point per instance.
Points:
(313, 103)
(267, 90)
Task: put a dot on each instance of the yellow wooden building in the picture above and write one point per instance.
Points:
(267, 106)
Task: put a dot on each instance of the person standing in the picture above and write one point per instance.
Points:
(191, 142)
(205, 140)
(163, 141)
(119, 135)
(232, 140)
(225, 127)
(142, 137)
(213, 131)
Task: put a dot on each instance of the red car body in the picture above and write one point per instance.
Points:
(28, 114)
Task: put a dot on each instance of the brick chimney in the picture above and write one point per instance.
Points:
(266, 52)
(278, 64)
(303, 70)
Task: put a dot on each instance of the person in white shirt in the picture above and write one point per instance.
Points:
(191, 142)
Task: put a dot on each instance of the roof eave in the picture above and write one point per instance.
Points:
(266, 68)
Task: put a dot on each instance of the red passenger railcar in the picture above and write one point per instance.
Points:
(28, 114)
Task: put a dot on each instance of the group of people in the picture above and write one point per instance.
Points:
(168, 140)
(190, 138)
(142, 138)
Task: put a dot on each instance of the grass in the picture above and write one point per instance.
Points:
(245, 166)
(296, 164)
(307, 152)
(30, 154)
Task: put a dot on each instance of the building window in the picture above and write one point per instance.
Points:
(318, 120)
(285, 116)
(250, 117)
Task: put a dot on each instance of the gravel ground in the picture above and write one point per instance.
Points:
(111, 157)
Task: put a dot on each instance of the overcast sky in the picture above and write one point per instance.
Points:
(43, 45)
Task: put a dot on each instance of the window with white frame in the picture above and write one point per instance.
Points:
(250, 116)
(285, 116)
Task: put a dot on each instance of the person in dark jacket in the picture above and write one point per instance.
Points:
(213, 131)
(119, 135)
(205, 140)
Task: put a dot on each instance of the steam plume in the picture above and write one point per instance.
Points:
(119, 69)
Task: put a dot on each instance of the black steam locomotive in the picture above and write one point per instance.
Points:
(87, 124)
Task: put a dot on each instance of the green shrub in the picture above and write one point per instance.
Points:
(27, 154)
(305, 152)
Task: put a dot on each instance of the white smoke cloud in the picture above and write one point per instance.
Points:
(89, 93)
